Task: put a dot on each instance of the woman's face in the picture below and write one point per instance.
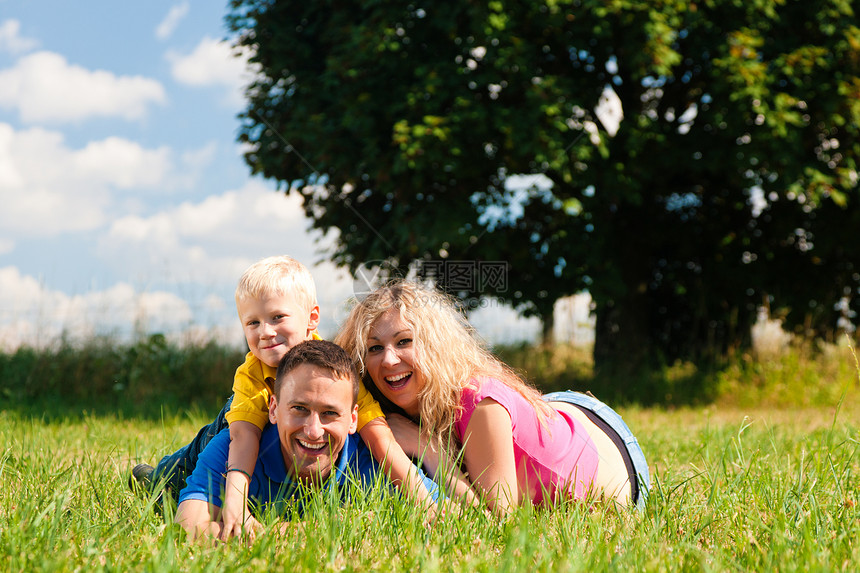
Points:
(390, 361)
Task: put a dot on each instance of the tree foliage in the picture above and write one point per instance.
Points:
(731, 181)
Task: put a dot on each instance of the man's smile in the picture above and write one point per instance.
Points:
(311, 446)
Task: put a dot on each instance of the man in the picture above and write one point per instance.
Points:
(310, 442)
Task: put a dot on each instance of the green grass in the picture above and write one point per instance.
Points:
(733, 489)
(764, 475)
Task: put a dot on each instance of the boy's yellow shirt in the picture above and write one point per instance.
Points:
(253, 384)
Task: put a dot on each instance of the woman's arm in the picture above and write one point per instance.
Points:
(377, 435)
(488, 451)
(434, 458)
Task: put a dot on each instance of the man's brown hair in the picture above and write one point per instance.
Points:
(320, 353)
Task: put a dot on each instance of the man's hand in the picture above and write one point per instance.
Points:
(203, 521)
(199, 519)
(236, 519)
(246, 529)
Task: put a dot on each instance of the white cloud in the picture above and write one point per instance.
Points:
(179, 269)
(44, 87)
(205, 246)
(199, 158)
(11, 41)
(210, 243)
(47, 188)
(175, 15)
(212, 63)
(32, 314)
(253, 218)
(122, 163)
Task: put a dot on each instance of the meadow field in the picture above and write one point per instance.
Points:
(764, 475)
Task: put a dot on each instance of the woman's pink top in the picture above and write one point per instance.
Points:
(557, 457)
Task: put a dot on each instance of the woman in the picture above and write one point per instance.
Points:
(419, 357)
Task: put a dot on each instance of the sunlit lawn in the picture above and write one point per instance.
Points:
(734, 489)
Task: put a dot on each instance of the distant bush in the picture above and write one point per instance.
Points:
(140, 378)
(802, 375)
(154, 376)
(550, 367)
(797, 374)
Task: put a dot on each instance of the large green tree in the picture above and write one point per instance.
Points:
(730, 182)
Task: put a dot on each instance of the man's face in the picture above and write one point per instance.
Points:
(314, 413)
(275, 323)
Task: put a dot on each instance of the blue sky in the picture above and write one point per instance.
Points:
(124, 199)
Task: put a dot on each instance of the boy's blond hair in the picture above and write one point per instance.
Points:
(280, 275)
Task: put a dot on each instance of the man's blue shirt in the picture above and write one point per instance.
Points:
(270, 483)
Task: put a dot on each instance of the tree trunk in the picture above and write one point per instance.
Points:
(547, 329)
(622, 345)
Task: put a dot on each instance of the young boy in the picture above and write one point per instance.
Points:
(276, 302)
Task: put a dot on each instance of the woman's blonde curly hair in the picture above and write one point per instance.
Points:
(447, 351)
